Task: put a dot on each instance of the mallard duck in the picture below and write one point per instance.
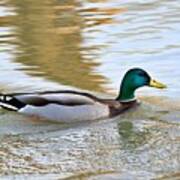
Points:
(71, 106)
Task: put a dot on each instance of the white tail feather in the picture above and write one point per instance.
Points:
(8, 106)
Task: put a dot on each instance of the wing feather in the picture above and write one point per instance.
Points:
(62, 98)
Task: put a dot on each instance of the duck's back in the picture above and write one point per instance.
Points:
(62, 106)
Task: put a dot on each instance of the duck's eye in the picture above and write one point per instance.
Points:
(141, 74)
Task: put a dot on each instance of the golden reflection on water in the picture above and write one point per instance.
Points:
(98, 16)
(48, 35)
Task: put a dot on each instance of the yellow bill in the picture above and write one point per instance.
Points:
(156, 84)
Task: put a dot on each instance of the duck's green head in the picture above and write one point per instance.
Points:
(134, 79)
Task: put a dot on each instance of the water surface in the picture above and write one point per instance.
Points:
(74, 44)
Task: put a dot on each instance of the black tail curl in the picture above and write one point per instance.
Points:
(9, 102)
